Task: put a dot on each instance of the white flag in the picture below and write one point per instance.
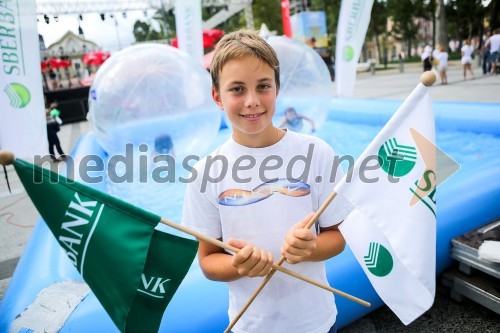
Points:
(392, 229)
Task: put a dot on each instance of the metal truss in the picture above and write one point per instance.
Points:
(106, 6)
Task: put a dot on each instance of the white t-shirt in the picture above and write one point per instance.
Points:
(245, 205)
(467, 54)
(425, 55)
(442, 58)
(495, 43)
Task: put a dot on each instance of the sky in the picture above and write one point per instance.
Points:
(106, 34)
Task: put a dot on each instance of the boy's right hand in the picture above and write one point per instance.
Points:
(250, 261)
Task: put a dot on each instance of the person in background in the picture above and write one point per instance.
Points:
(442, 64)
(52, 129)
(295, 121)
(426, 57)
(466, 60)
(485, 52)
(54, 112)
(312, 42)
(164, 146)
(494, 43)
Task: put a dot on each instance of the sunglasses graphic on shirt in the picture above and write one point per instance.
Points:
(286, 186)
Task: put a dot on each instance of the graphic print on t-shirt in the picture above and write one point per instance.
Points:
(286, 186)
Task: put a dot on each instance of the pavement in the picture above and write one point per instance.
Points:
(18, 215)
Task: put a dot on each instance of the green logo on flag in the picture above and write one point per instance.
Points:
(348, 53)
(429, 200)
(395, 159)
(18, 94)
(379, 260)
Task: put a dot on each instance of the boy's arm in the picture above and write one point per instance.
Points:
(304, 245)
(330, 243)
(217, 265)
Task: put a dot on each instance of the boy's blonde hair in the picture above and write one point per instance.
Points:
(240, 44)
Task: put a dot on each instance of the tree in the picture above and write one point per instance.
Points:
(144, 31)
(465, 18)
(268, 12)
(141, 30)
(493, 11)
(441, 31)
(404, 13)
(378, 24)
(165, 20)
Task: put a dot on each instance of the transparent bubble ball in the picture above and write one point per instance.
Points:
(305, 85)
(155, 95)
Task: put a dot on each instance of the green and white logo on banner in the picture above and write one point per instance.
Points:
(395, 159)
(379, 260)
(348, 53)
(18, 94)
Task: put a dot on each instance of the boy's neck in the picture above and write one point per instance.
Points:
(261, 140)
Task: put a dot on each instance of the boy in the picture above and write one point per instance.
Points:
(261, 182)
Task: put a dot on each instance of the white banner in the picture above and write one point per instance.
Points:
(188, 26)
(351, 31)
(22, 113)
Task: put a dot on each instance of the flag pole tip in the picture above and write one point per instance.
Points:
(6, 157)
(428, 78)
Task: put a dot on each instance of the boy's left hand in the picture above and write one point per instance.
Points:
(299, 242)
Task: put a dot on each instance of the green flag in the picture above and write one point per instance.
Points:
(133, 269)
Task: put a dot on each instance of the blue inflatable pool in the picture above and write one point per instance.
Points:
(469, 132)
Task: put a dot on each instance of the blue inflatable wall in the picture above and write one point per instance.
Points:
(467, 200)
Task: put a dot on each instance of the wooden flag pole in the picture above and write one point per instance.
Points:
(279, 263)
(276, 267)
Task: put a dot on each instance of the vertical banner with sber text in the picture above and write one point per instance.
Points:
(22, 117)
(351, 31)
(188, 26)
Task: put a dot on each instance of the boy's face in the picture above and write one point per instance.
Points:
(247, 93)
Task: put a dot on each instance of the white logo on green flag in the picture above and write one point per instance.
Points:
(76, 231)
(153, 286)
